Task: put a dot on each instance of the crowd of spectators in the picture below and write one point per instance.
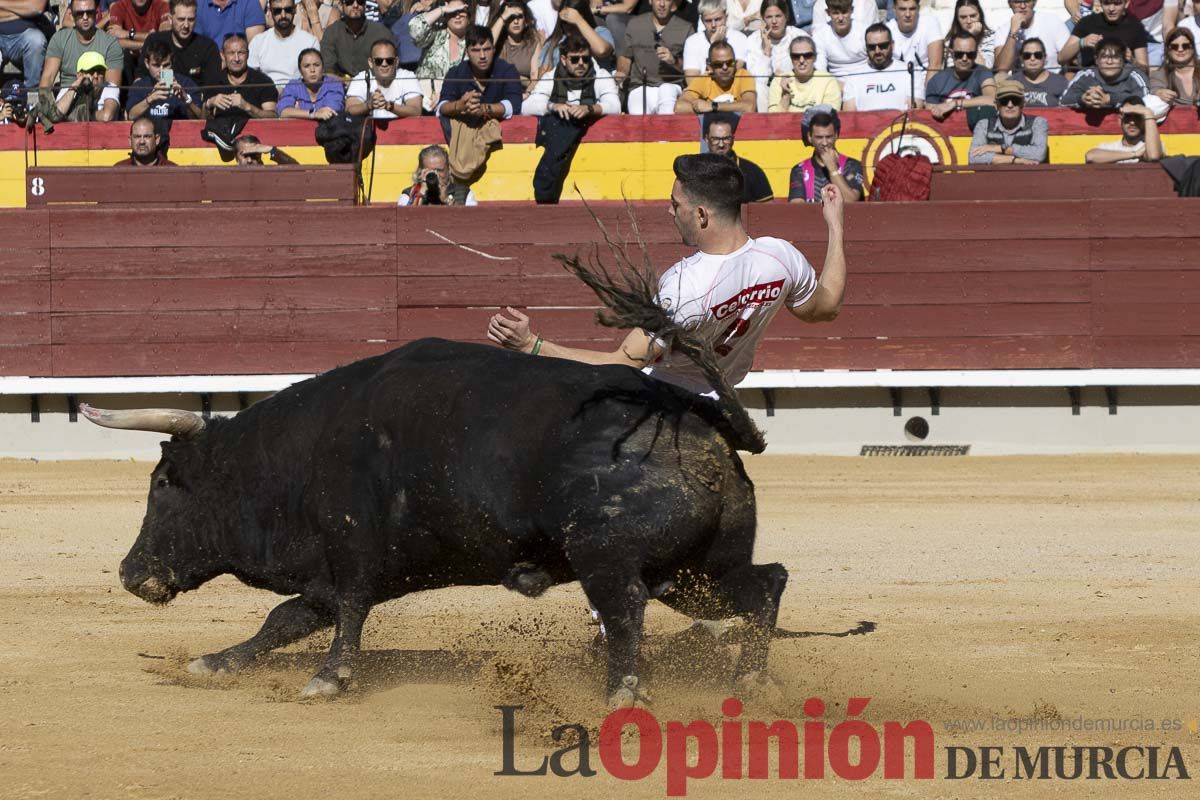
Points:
(474, 63)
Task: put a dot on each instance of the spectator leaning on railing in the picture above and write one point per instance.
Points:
(965, 85)
(160, 100)
(1013, 137)
(242, 91)
(314, 95)
(21, 40)
(1043, 89)
(567, 101)
(191, 54)
(1139, 139)
(277, 52)
(389, 93)
(89, 98)
(886, 84)
(1109, 84)
(725, 87)
(806, 86)
(249, 152)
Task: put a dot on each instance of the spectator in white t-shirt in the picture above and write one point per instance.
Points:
(840, 44)
(714, 21)
(864, 13)
(394, 92)
(1028, 24)
(886, 84)
(1139, 139)
(917, 39)
(276, 52)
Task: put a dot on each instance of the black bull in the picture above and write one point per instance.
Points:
(446, 464)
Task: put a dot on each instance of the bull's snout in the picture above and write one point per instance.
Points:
(153, 586)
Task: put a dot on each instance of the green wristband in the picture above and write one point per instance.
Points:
(537, 347)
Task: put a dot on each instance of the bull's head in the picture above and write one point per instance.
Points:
(172, 553)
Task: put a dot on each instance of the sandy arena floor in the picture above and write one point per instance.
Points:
(1047, 588)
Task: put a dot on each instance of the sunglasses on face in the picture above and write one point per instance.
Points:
(803, 56)
(86, 12)
(1010, 101)
(1180, 47)
(283, 10)
(384, 62)
(578, 59)
(721, 64)
(1030, 55)
(362, 3)
(965, 54)
(875, 47)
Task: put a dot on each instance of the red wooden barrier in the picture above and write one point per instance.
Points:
(1050, 182)
(299, 288)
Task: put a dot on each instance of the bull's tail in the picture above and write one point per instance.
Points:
(629, 295)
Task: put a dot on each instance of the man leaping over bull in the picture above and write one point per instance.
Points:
(729, 290)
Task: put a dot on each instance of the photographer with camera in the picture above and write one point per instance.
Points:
(13, 110)
(89, 98)
(432, 184)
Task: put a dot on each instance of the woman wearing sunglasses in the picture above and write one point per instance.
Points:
(1175, 81)
(1043, 88)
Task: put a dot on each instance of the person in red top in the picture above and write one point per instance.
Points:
(130, 22)
(143, 146)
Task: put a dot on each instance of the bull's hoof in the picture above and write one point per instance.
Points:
(628, 694)
(209, 665)
(759, 687)
(320, 687)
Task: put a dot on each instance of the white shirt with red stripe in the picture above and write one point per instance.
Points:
(731, 298)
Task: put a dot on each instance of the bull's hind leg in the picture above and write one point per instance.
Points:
(288, 622)
(336, 670)
(620, 597)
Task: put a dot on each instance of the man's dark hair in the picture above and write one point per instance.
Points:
(386, 43)
(841, 6)
(1110, 45)
(712, 181)
(158, 49)
(717, 117)
(1031, 40)
(878, 27)
(477, 34)
(721, 45)
(176, 3)
(822, 119)
(235, 36)
(574, 42)
(965, 35)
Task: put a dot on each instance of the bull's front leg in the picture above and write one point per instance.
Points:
(288, 622)
(336, 670)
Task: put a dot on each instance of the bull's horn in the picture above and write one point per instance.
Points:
(185, 424)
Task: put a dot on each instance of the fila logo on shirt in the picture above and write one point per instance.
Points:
(753, 295)
(879, 88)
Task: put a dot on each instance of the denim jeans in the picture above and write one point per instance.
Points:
(28, 49)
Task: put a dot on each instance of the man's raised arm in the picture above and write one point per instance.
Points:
(826, 301)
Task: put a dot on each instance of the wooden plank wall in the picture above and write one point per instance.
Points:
(956, 285)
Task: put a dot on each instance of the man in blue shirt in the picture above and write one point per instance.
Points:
(216, 19)
(966, 85)
(481, 88)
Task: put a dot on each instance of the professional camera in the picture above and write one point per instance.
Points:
(433, 190)
(85, 86)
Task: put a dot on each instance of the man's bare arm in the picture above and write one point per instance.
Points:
(513, 332)
(826, 301)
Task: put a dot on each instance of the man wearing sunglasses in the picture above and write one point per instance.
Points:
(807, 86)
(1012, 137)
(1042, 87)
(1110, 83)
(393, 92)
(885, 84)
(966, 85)
(69, 44)
(216, 19)
(347, 42)
(567, 101)
(724, 88)
(1027, 24)
(276, 53)
(1114, 22)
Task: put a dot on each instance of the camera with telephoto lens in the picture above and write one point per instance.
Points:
(433, 190)
(85, 86)
(20, 111)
